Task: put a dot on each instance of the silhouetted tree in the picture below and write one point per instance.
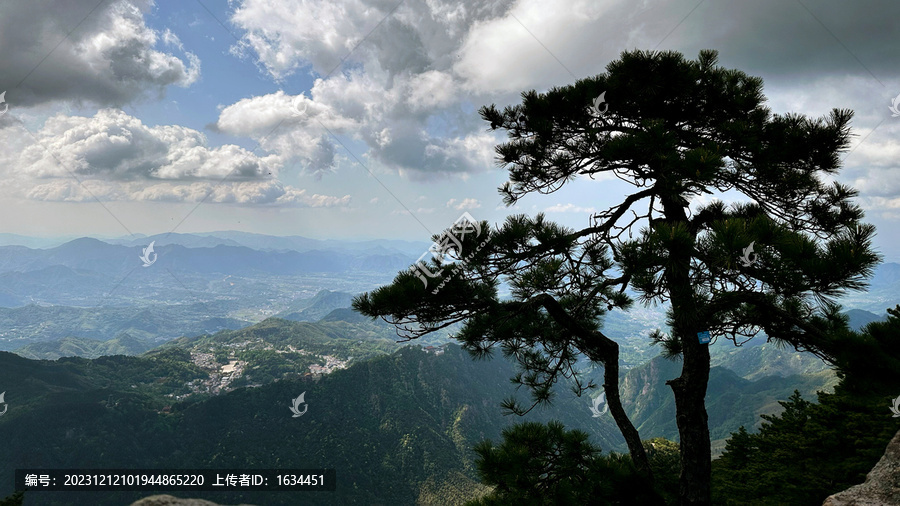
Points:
(811, 451)
(673, 129)
(539, 464)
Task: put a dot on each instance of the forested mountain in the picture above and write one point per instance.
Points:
(310, 310)
(412, 415)
(123, 344)
(766, 359)
(731, 400)
(30, 324)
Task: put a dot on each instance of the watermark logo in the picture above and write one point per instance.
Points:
(448, 248)
(895, 409)
(146, 256)
(746, 260)
(296, 407)
(895, 106)
(299, 105)
(3, 101)
(5, 405)
(601, 99)
(600, 399)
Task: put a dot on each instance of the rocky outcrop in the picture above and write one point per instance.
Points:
(882, 485)
(168, 500)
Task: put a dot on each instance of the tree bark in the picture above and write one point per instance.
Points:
(693, 428)
(600, 348)
(614, 401)
(689, 388)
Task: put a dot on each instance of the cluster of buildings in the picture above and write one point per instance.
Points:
(220, 376)
(437, 350)
(331, 364)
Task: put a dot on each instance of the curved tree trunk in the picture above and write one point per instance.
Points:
(614, 401)
(604, 350)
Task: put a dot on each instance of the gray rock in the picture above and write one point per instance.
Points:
(882, 485)
(168, 500)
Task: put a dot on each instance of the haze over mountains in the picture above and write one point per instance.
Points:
(234, 278)
(221, 401)
(197, 356)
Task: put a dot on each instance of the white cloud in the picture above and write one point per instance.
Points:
(465, 204)
(116, 157)
(108, 60)
(398, 92)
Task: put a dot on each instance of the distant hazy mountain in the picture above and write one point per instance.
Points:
(275, 243)
(96, 256)
(32, 242)
(25, 325)
(859, 318)
(186, 240)
(310, 310)
(753, 363)
(883, 291)
(87, 348)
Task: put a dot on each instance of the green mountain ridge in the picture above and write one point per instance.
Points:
(123, 344)
(768, 359)
(731, 401)
(412, 415)
(382, 410)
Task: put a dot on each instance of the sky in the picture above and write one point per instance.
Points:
(357, 119)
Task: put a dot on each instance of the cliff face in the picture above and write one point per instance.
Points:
(882, 485)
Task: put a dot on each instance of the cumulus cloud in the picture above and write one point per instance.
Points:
(116, 146)
(110, 59)
(465, 204)
(406, 82)
(114, 156)
(398, 94)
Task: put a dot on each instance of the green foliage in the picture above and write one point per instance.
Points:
(544, 464)
(409, 420)
(665, 460)
(16, 499)
(222, 356)
(812, 450)
(807, 453)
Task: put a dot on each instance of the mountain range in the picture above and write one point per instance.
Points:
(383, 409)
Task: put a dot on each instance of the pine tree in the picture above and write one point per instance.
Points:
(811, 451)
(673, 129)
(538, 464)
